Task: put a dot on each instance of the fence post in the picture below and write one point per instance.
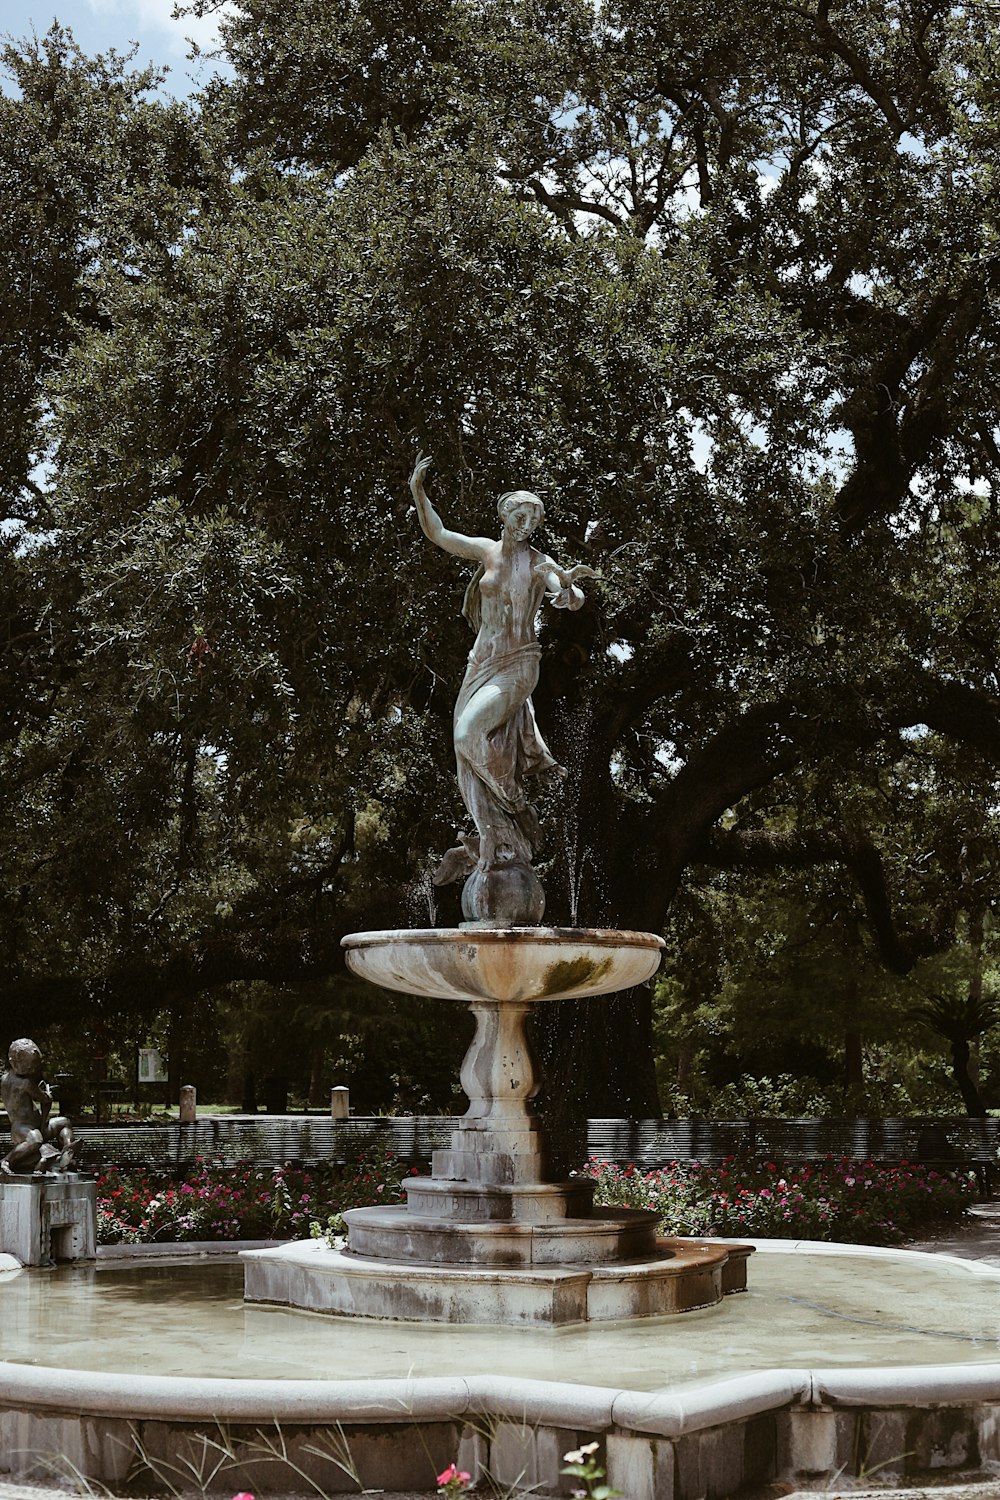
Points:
(340, 1103)
(189, 1104)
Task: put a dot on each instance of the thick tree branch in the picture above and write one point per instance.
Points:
(865, 863)
(563, 205)
(893, 430)
(142, 983)
(764, 851)
(832, 41)
(263, 951)
(760, 851)
(749, 752)
(759, 746)
(962, 713)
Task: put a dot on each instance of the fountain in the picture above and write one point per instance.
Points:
(490, 1237)
(840, 1360)
(136, 1363)
(493, 1236)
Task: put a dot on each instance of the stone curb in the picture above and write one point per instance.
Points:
(183, 1249)
(95, 1393)
(908, 1385)
(553, 1402)
(878, 1252)
(586, 1408)
(728, 1400)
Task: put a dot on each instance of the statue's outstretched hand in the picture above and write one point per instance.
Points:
(420, 468)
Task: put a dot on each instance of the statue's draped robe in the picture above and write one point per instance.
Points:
(493, 767)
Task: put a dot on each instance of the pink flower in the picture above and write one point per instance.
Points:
(453, 1476)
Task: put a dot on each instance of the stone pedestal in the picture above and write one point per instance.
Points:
(48, 1218)
(491, 1237)
(679, 1276)
(490, 1201)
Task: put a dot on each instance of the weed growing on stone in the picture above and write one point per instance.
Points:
(194, 1466)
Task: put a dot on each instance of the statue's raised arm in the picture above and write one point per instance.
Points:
(433, 527)
(497, 743)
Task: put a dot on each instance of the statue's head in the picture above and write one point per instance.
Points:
(25, 1058)
(521, 512)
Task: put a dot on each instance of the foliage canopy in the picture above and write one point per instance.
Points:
(720, 286)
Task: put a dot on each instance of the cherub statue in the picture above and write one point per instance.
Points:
(40, 1144)
(497, 743)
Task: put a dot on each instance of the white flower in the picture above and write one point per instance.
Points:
(580, 1455)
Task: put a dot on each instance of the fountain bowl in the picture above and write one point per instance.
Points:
(515, 964)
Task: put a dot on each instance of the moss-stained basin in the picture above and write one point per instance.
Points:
(523, 964)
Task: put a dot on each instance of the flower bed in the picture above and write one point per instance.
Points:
(246, 1202)
(835, 1199)
(831, 1200)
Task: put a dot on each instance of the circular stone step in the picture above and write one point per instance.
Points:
(520, 1203)
(395, 1234)
(681, 1276)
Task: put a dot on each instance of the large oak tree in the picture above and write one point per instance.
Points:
(720, 287)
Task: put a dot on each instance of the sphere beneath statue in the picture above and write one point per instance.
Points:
(508, 895)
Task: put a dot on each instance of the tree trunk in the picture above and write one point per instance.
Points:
(854, 1073)
(971, 1097)
(602, 1056)
(176, 1050)
(317, 1067)
(235, 1068)
(619, 865)
(977, 924)
(597, 1061)
(248, 1104)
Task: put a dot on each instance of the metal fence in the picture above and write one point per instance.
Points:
(938, 1141)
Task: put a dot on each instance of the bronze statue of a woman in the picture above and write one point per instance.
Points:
(497, 743)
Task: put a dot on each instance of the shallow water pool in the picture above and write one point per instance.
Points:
(812, 1310)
